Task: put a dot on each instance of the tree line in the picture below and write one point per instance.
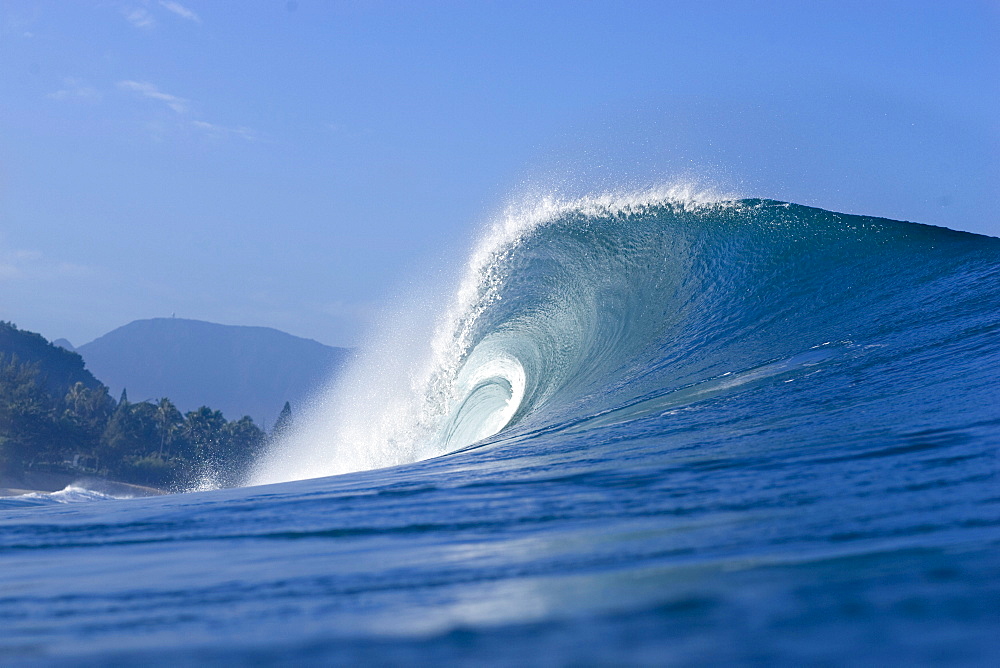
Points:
(80, 427)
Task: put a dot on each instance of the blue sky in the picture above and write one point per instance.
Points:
(292, 164)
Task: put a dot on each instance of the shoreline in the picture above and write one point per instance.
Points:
(44, 482)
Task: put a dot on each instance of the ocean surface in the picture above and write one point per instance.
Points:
(651, 428)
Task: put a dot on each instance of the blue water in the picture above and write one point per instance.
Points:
(648, 430)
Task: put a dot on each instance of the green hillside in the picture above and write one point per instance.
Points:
(58, 368)
(56, 416)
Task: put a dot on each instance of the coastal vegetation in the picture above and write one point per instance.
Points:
(56, 416)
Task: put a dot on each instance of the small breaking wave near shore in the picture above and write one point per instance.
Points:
(81, 490)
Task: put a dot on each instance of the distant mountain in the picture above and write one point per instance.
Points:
(238, 370)
(59, 369)
(63, 343)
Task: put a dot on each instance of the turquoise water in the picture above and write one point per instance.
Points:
(649, 431)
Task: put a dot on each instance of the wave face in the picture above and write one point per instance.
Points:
(642, 316)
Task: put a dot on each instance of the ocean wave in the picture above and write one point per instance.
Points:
(599, 311)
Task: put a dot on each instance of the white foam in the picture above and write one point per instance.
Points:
(72, 493)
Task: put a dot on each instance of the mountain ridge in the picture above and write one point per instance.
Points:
(238, 369)
(58, 366)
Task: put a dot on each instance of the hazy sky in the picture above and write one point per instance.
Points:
(290, 164)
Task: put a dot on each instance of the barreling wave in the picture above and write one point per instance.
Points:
(583, 314)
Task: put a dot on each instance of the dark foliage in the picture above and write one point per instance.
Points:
(54, 415)
(58, 368)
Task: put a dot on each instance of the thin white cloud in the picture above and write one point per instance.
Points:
(139, 17)
(181, 106)
(212, 128)
(180, 10)
(76, 90)
(178, 104)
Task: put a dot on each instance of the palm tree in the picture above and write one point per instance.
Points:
(167, 418)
